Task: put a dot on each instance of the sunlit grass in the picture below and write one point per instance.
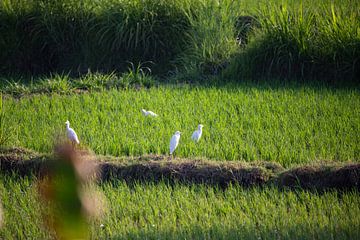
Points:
(289, 124)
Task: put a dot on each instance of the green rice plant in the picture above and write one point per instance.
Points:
(22, 210)
(289, 124)
(7, 129)
(4, 129)
(161, 211)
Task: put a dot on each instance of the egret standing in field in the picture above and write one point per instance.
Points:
(148, 113)
(174, 142)
(197, 133)
(71, 134)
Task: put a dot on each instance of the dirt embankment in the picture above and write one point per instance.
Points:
(154, 168)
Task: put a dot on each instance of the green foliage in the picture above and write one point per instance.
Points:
(288, 124)
(57, 83)
(303, 40)
(14, 87)
(211, 39)
(294, 39)
(5, 130)
(193, 212)
(136, 77)
(22, 210)
(41, 36)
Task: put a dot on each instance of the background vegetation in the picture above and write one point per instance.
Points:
(304, 40)
(285, 39)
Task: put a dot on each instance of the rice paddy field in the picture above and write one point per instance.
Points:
(289, 125)
(292, 125)
(181, 212)
(271, 81)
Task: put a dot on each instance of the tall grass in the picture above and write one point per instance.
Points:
(211, 39)
(304, 41)
(295, 39)
(289, 124)
(42, 36)
(194, 212)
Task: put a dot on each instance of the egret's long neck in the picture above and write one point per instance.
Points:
(67, 126)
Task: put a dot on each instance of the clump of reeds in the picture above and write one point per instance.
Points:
(303, 41)
(43, 36)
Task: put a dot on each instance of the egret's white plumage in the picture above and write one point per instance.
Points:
(71, 134)
(148, 113)
(174, 142)
(197, 134)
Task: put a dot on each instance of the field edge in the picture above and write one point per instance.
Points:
(158, 168)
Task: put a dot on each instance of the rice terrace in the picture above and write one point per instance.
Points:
(179, 119)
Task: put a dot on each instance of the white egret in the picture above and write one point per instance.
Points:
(197, 133)
(71, 134)
(148, 113)
(174, 142)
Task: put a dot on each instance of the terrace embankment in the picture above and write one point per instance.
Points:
(156, 168)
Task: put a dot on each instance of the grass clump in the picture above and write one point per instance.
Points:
(210, 40)
(137, 76)
(303, 41)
